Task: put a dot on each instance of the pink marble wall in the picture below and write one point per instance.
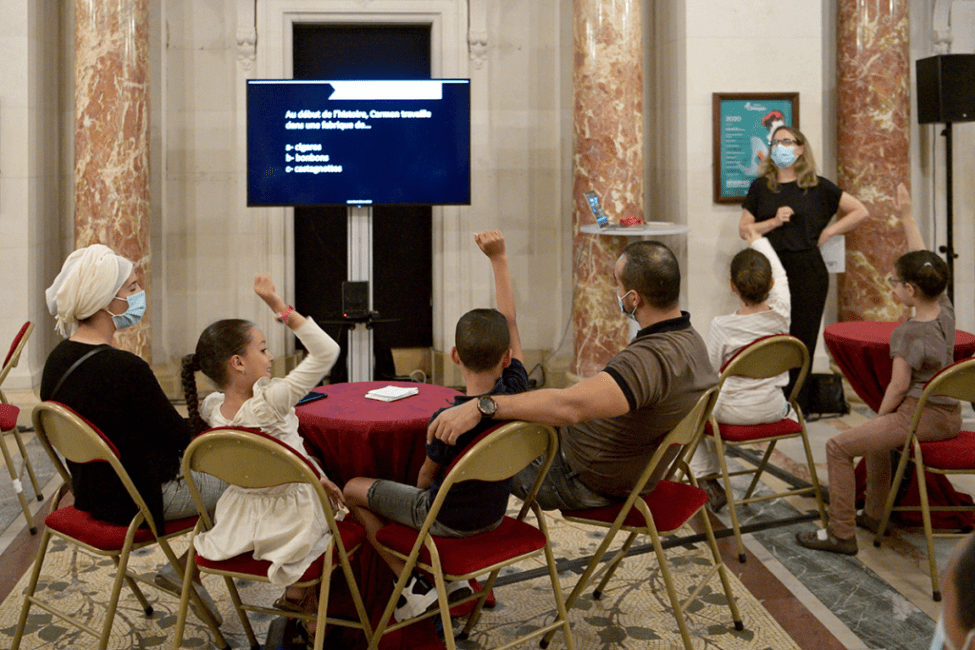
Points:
(112, 138)
(608, 128)
(873, 152)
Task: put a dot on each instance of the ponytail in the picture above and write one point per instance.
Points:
(188, 376)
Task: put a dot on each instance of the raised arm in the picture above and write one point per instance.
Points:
(853, 213)
(903, 204)
(491, 243)
(779, 298)
(322, 350)
(747, 222)
(264, 288)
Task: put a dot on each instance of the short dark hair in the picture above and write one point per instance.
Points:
(652, 271)
(925, 270)
(751, 273)
(964, 582)
(482, 338)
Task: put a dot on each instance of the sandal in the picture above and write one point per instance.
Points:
(307, 604)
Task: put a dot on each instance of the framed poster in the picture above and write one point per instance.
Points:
(743, 125)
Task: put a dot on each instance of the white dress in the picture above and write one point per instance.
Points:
(744, 400)
(284, 525)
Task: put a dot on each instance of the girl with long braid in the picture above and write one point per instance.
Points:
(284, 525)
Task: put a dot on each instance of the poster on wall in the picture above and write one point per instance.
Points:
(742, 132)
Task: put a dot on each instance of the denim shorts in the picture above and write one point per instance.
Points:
(409, 505)
(177, 501)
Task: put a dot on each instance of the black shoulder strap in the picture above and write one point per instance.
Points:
(75, 365)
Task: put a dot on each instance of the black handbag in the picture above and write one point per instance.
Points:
(826, 396)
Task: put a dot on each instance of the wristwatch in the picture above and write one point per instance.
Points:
(486, 406)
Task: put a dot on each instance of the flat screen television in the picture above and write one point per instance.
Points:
(358, 142)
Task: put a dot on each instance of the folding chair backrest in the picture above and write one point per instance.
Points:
(247, 458)
(685, 433)
(767, 357)
(505, 452)
(79, 441)
(13, 355)
(956, 380)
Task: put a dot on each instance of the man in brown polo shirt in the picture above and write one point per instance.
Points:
(610, 424)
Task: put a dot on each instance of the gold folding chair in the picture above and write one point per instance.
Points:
(62, 430)
(253, 459)
(8, 426)
(497, 454)
(763, 359)
(945, 457)
(667, 507)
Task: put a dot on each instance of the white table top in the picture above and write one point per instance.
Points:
(651, 229)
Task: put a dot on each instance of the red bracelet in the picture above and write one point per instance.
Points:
(285, 315)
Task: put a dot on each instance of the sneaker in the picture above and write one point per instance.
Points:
(717, 499)
(168, 580)
(824, 540)
(458, 590)
(867, 522)
(418, 597)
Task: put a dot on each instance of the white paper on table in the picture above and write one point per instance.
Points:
(391, 393)
(834, 254)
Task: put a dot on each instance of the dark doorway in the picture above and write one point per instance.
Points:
(402, 235)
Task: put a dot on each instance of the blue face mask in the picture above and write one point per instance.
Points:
(783, 156)
(619, 299)
(134, 313)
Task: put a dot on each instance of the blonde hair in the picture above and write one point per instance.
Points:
(805, 164)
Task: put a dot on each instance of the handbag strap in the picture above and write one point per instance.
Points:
(74, 366)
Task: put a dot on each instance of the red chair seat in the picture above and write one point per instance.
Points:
(104, 535)
(460, 556)
(746, 432)
(670, 503)
(956, 453)
(352, 535)
(8, 417)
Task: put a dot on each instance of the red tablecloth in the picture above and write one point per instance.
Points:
(862, 351)
(354, 436)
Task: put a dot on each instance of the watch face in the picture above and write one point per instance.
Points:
(487, 405)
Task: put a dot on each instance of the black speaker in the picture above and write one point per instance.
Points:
(946, 88)
(355, 299)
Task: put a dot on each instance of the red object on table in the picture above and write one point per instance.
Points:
(862, 351)
(355, 436)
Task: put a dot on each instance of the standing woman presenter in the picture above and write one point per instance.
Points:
(792, 206)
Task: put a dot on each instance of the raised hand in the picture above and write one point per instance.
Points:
(491, 242)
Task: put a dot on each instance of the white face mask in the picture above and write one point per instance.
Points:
(941, 639)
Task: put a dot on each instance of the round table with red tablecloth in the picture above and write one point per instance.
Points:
(862, 351)
(355, 436)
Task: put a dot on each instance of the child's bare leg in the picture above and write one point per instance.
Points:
(357, 499)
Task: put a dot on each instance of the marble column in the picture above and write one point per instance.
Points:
(112, 138)
(607, 84)
(873, 150)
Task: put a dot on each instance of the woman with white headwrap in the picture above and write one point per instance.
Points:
(95, 294)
